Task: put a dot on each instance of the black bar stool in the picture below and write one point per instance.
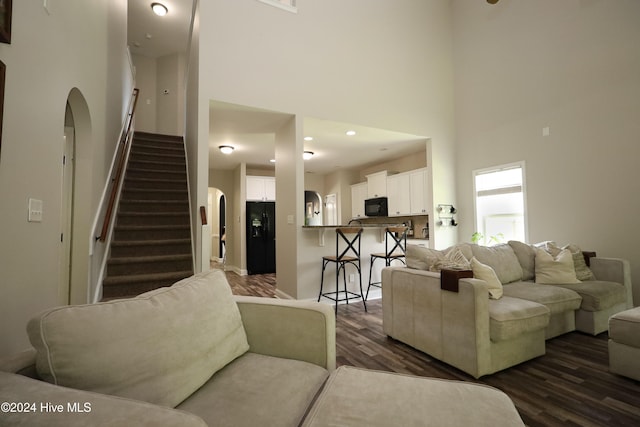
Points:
(350, 237)
(395, 245)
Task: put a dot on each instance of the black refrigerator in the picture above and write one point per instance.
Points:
(261, 237)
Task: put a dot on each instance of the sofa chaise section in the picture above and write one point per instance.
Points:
(464, 329)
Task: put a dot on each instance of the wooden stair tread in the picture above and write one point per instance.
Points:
(165, 242)
(149, 258)
(151, 277)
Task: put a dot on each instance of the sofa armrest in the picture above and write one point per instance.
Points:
(290, 329)
(34, 402)
(614, 270)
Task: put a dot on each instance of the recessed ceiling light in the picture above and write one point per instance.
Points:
(351, 132)
(272, 160)
(308, 138)
(159, 9)
(307, 155)
(226, 149)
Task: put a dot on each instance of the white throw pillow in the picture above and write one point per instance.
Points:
(484, 272)
(556, 270)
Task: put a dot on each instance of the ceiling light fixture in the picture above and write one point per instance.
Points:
(308, 138)
(159, 9)
(351, 132)
(307, 155)
(226, 149)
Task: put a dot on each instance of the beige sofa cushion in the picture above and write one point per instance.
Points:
(624, 327)
(598, 295)
(159, 347)
(556, 298)
(257, 390)
(362, 397)
(502, 259)
(511, 317)
(95, 409)
(526, 255)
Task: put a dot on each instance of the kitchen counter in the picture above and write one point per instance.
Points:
(366, 227)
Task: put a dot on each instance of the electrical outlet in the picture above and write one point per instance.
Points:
(352, 278)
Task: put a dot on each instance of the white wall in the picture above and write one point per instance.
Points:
(572, 66)
(161, 108)
(382, 64)
(83, 47)
(146, 81)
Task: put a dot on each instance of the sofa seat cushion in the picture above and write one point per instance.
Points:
(556, 298)
(159, 347)
(362, 397)
(624, 327)
(257, 390)
(82, 408)
(512, 317)
(598, 295)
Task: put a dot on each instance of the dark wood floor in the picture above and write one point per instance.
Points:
(569, 386)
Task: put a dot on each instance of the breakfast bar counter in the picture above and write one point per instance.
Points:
(379, 228)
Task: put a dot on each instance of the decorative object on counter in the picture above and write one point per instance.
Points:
(446, 215)
(395, 246)
(350, 254)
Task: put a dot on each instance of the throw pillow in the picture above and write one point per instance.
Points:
(583, 272)
(484, 272)
(557, 270)
(453, 260)
(422, 258)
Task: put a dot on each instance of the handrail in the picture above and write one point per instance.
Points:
(124, 139)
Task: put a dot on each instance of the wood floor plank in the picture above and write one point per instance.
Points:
(569, 386)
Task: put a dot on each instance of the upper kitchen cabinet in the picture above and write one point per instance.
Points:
(419, 190)
(408, 193)
(261, 188)
(358, 195)
(377, 184)
(399, 199)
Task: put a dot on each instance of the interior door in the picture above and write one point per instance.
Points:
(66, 215)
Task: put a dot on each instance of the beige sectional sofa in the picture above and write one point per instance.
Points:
(482, 335)
(194, 355)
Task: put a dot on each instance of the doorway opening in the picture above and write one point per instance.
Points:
(75, 203)
(218, 219)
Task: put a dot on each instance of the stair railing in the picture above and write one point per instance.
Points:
(100, 239)
(125, 140)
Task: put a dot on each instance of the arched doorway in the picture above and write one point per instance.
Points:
(76, 192)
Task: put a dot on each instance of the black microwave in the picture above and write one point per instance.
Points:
(376, 207)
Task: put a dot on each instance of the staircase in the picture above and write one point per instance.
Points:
(151, 244)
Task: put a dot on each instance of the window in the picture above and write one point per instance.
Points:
(500, 204)
(288, 5)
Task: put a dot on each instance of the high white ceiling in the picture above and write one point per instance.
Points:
(250, 130)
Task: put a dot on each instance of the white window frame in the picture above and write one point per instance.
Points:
(289, 6)
(521, 165)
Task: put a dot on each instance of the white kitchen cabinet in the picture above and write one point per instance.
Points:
(358, 196)
(261, 188)
(419, 192)
(398, 198)
(377, 184)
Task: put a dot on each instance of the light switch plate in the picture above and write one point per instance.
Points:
(35, 210)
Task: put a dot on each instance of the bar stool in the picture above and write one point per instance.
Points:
(395, 245)
(350, 237)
